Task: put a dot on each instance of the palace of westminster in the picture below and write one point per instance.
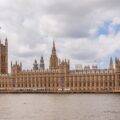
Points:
(58, 78)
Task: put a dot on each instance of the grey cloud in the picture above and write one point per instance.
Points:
(29, 54)
(85, 55)
(78, 17)
(34, 23)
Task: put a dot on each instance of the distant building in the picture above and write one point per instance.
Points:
(58, 78)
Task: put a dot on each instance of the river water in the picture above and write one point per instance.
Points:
(59, 106)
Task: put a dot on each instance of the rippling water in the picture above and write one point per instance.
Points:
(59, 107)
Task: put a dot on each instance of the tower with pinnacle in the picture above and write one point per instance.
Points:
(53, 58)
(35, 65)
(111, 66)
(4, 57)
(42, 65)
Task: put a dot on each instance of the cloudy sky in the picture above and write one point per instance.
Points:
(84, 31)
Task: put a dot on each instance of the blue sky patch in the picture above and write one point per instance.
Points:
(104, 28)
(116, 28)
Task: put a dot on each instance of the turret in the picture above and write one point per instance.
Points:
(117, 74)
(11, 65)
(117, 65)
(4, 57)
(35, 65)
(64, 66)
(21, 65)
(16, 68)
(54, 49)
(42, 65)
(6, 42)
(111, 66)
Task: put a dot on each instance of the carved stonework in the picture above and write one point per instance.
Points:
(4, 57)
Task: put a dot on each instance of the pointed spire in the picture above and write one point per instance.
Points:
(6, 41)
(69, 61)
(11, 64)
(115, 59)
(41, 60)
(35, 65)
(53, 49)
(53, 58)
(42, 65)
(21, 64)
(111, 63)
(35, 61)
(53, 43)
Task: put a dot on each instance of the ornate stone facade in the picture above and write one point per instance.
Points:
(60, 79)
(4, 57)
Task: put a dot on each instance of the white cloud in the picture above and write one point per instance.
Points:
(116, 20)
(30, 26)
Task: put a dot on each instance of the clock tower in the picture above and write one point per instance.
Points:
(53, 58)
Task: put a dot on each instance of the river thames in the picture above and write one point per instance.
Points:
(59, 106)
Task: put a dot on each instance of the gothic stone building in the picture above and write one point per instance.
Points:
(4, 58)
(58, 78)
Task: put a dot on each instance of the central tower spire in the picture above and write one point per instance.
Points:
(54, 49)
(53, 58)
